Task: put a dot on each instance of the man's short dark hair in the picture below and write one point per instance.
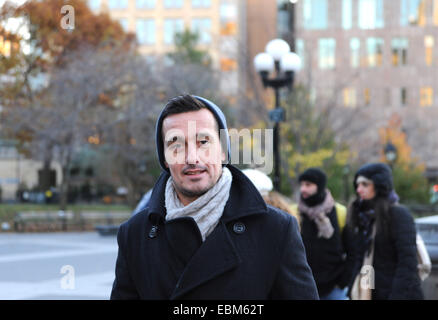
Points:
(181, 104)
(184, 103)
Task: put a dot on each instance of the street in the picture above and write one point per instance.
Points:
(59, 266)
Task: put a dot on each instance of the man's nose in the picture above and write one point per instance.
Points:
(192, 154)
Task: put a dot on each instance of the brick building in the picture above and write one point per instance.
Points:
(375, 54)
(155, 23)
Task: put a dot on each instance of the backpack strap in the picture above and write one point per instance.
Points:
(341, 212)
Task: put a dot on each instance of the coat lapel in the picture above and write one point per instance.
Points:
(214, 257)
(217, 254)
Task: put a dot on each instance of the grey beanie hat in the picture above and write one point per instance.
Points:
(222, 123)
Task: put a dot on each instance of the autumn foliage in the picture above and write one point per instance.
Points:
(409, 180)
(52, 42)
(394, 134)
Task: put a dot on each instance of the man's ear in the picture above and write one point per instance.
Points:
(166, 164)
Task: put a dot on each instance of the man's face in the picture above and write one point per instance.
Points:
(192, 152)
(308, 189)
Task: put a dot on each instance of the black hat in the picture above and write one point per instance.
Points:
(316, 176)
(380, 174)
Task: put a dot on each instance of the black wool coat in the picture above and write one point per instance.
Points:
(395, 258)
(326, 257)
(255, 252)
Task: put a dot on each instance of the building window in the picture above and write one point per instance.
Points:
(228, 18)
(399, 47)
(228, 64)
(228, 12)
(201, 3)
(428, 46)
(145, 29)
(347, 11)
(94, 4)
(172, 27)
(413, 12)
(370, 13)
(145, 4)
(367, 96)
(117, 4)
(173, 3)
(315, 14)
(426, 96)
(283, 21)
(202, 26)
(8, 152)
(403, 96)
(374, 52)
(350, 97)
(300, 51)
(355, 52)
(228, 28)
(124, 23)
(327, 51)
(435, 12)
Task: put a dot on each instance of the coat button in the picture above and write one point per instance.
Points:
(153, 232)
(239, 228)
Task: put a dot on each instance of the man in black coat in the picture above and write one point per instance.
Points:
(322, 235)
(206, 232)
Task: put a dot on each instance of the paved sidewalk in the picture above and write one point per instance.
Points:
(57, 265)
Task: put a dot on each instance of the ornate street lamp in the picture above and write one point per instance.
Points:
(390, 151)
(277, 59)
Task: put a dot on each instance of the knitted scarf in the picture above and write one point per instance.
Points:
(206, 210)
(318, 214)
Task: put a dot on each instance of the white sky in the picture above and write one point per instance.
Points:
(13, 25)
(13, 1)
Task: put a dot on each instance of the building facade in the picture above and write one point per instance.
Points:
(377, 54)
(155, 23)
(18, 171)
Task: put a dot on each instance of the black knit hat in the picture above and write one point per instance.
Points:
(316, 176)
(380, 174)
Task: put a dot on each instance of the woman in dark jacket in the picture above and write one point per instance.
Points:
(395, 252)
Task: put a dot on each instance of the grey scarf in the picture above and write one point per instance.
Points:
(318, 214)
(206, 210)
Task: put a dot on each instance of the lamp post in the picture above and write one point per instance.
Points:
(390, 154)
(277, 59)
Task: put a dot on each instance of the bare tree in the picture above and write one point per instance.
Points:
(78, 103)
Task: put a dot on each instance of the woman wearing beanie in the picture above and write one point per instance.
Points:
(381, 234)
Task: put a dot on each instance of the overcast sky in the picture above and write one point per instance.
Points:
(16, 25)
(13, 1)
